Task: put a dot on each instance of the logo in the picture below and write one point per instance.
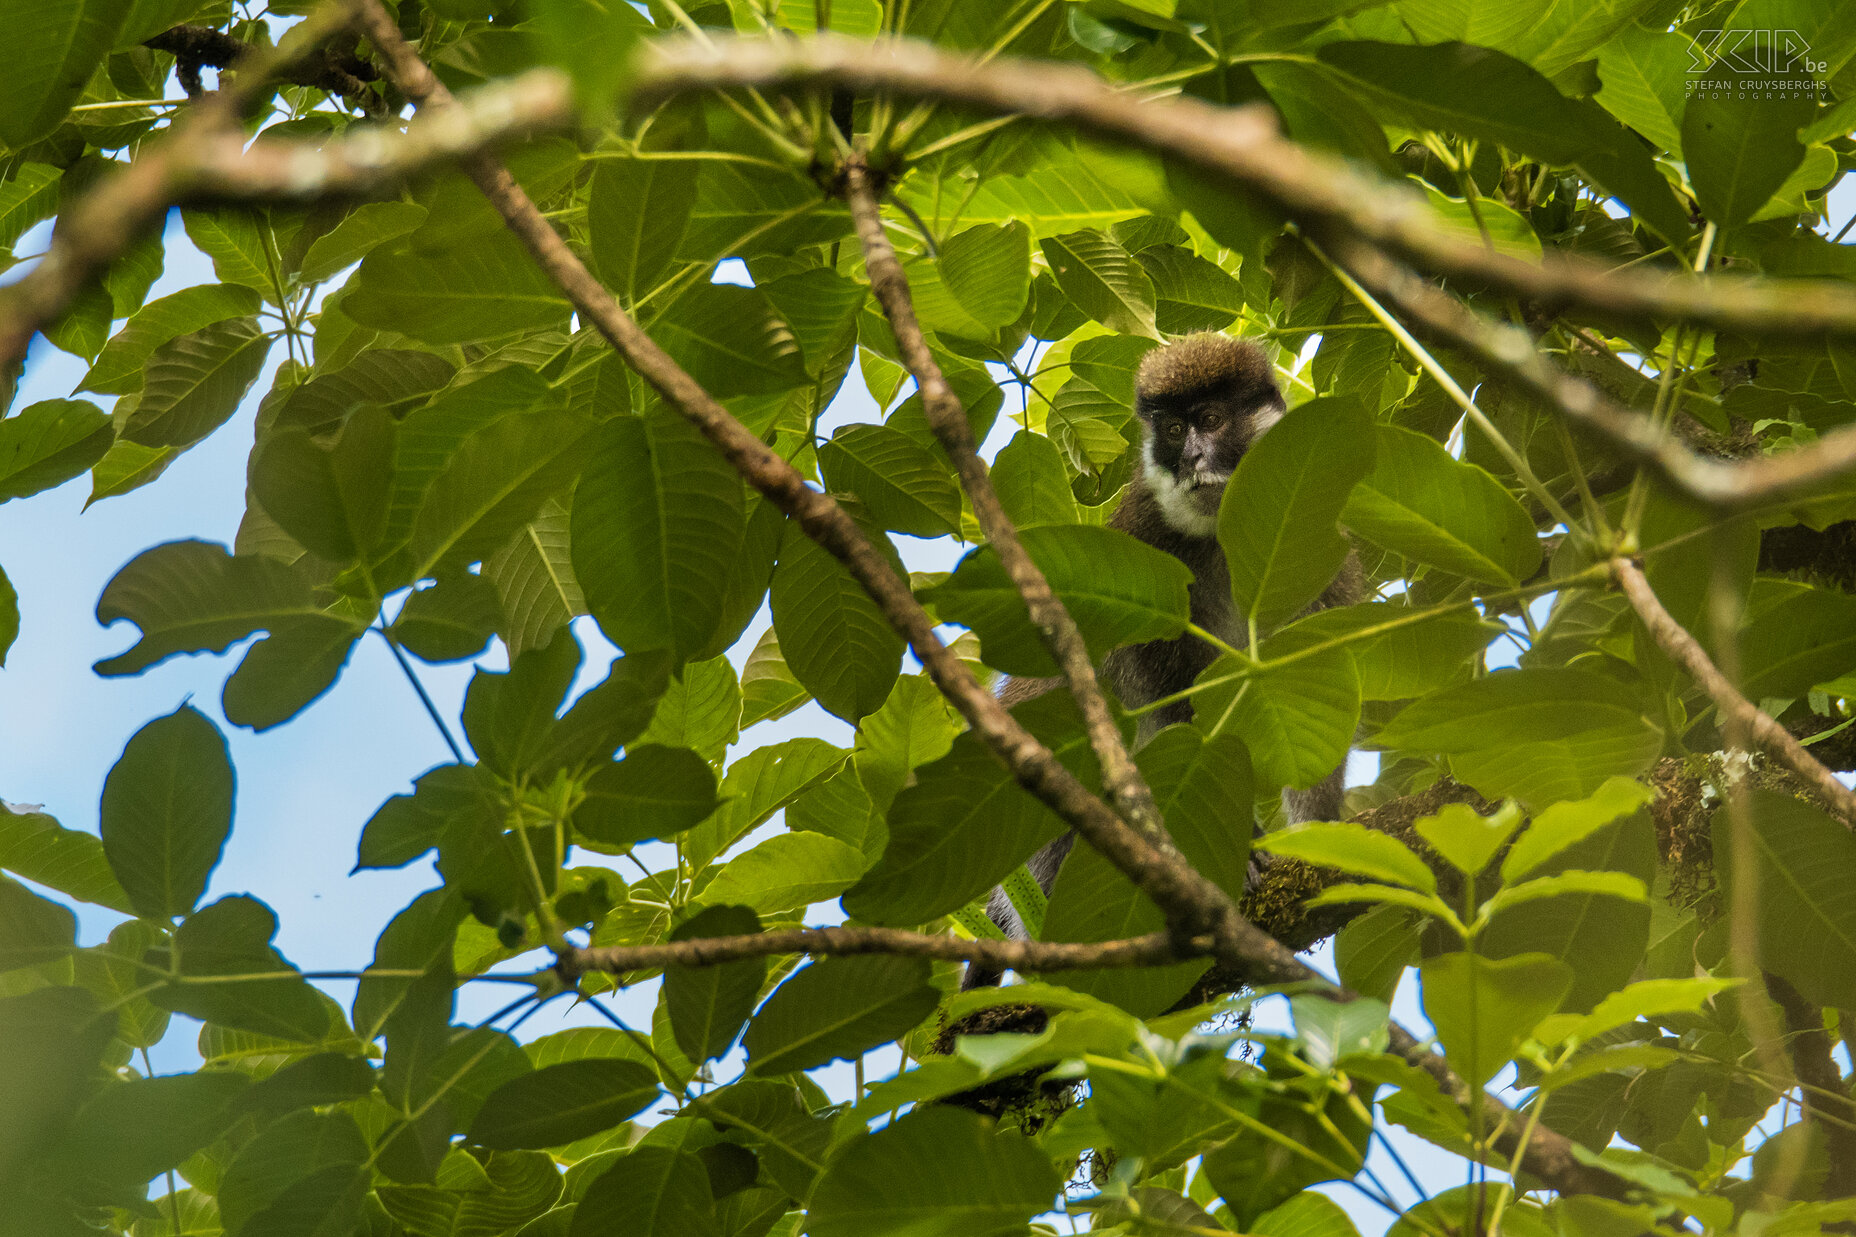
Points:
(1753, 64)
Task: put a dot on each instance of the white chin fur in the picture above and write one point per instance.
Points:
(1177, 501)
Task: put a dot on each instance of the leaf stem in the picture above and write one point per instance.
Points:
(431, 710)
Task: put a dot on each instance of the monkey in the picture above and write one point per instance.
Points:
(1202, 401)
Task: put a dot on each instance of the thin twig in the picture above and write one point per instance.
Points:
(1154, 949)
(1735, 709)
(431, 710)
(1126, 788)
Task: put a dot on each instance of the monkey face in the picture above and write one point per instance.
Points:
(1202, 400)
(1193, 446)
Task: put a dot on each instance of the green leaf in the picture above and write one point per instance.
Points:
(1483, 1009)
(635, 219)
(1795, 637)
(493, 484)
(1193, 294)
(902, 485)
(29, 195)
(534, 577)
(838, 1008)
(58, 46)
(965, 823)
(1465, 837)
(1307, 1214)
(701, 711)
(1478, 92)
(1298, 718)
(284, 672)
(51, 1047)
(708, 1005)
(836, 641)
(1442, 512)
(194, 382)
(119, 368)
(419, 938)
(1279, 517)
(768, 689)
(657, 521)
(315, 1081)
(127, 466)
(366, 227)
(504, 1193)
(1327, 1030)
(451, 621)
(480, 288)
(1351, 848)
(48, 443)
(987, 270)
(1033, 484)
(937, 1172)
(650, 1192)
(192, 596)
(231, 937)
(1602, 937)
(1372, 951)
(1739, 147)
(1118, 589)
(9, 616)
(35, 846)
(330, 498)
(1805, 866)
(786, 872)
(130, 1131)
(32, 929)
(756, 786)
(1104, 281)
(1601, 884)
(560, 1103)
(1644, 75)
(167, 811)
(299, 1147)
(236, 238)
(1567, 824)
(1404, 658)
(655, 792)
(821, 308)
(1643, 999)
(1539, 734)
(731, 341)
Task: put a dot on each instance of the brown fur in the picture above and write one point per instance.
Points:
(1201, 365)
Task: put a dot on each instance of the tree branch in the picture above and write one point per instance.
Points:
(1185, 894)
(1809, 1045)
(1126, 788)
(332, 67)
(1750, 483)
(1153, 949)
(111, 217)
(1243, 145)
(368, 158)
(1735, 708)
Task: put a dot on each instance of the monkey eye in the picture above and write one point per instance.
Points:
(1175, 429)
(1212, 422)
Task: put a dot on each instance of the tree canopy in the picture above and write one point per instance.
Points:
(1566, 332)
